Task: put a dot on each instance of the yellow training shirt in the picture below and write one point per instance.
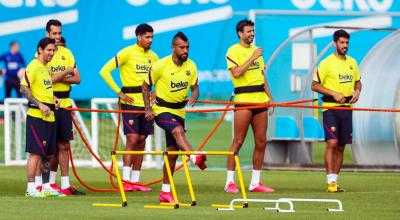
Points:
(61, 60)
(172, 83)
(134, 63)
(337, 75)
(38, 80)
(237, 55)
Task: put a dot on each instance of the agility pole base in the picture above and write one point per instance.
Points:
(289, 201)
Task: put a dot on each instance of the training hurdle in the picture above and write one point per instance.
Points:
(289, 201)
(165, 154)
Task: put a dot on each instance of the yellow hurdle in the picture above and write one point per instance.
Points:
(173, 204)
(125, 152)
(171, 179)
(107, 205)
(159, 207)
(241, 182)
(226, 206)
(189, 181)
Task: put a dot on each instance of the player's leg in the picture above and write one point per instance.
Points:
(259, 124)
(242, 119)
(331, 126)
(166, 194)
(144, 129)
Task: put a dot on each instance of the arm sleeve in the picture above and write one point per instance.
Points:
(154, 74)
(28, 78)
(231, 59)
(105, 73)
(321, 73)
(357, 76)
(195, 78)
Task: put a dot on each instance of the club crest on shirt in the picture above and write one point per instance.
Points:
(149, 61)
(351, 67)
(63, 57)
(187, 72)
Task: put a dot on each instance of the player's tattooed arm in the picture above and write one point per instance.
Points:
(28, 94)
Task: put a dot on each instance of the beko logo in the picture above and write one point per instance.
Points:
(347, 5)
(175, 2)
(34, 3)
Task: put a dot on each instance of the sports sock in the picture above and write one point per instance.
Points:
(64, 182)
(52, 178)
(255, 177)
(38, 181)
(135, 176)
(230, 174)
(166, 188)
(126, 173)
(31, 187)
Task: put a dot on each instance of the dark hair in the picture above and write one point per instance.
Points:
(143, 28)
(243, 23)
(13, 42)
(44, 42)
(180, 35)
(53, 22)
(340, 33)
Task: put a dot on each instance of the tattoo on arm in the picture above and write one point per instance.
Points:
(28, 94)
(146, 95)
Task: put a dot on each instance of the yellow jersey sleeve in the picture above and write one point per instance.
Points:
(232, 59)
(154, 74)
(357, 76)
(28, 78)
(70, 59)
(194, 80)
(322, 72)
(106, 71)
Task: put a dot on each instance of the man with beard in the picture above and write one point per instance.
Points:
(172, 77)
(338, 80)
(134, 62)
(64, 73)
(246, 65)
(37, 87)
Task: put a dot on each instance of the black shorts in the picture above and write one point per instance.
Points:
(136, 123)
(254, 111)
(63, 125)
(338, 125)
(168, 122)
(40, 136)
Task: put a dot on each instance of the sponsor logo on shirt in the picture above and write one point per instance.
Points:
(142, 68)
(47, 83)
(57, 69)
(345, 78)
(179, 86)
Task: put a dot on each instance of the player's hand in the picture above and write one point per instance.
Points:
(125, 98)
(149, 114)
(191, 102)
(270, 108)
(257, 53)
(339, 97)
(356, 95)
(45, 109)
(57, 102)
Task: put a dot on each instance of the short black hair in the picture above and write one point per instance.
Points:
(53, 22)
(13, 42)
(44, 42)
(143, 28)
(180, 35)
(243, 23)
(340, 33)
